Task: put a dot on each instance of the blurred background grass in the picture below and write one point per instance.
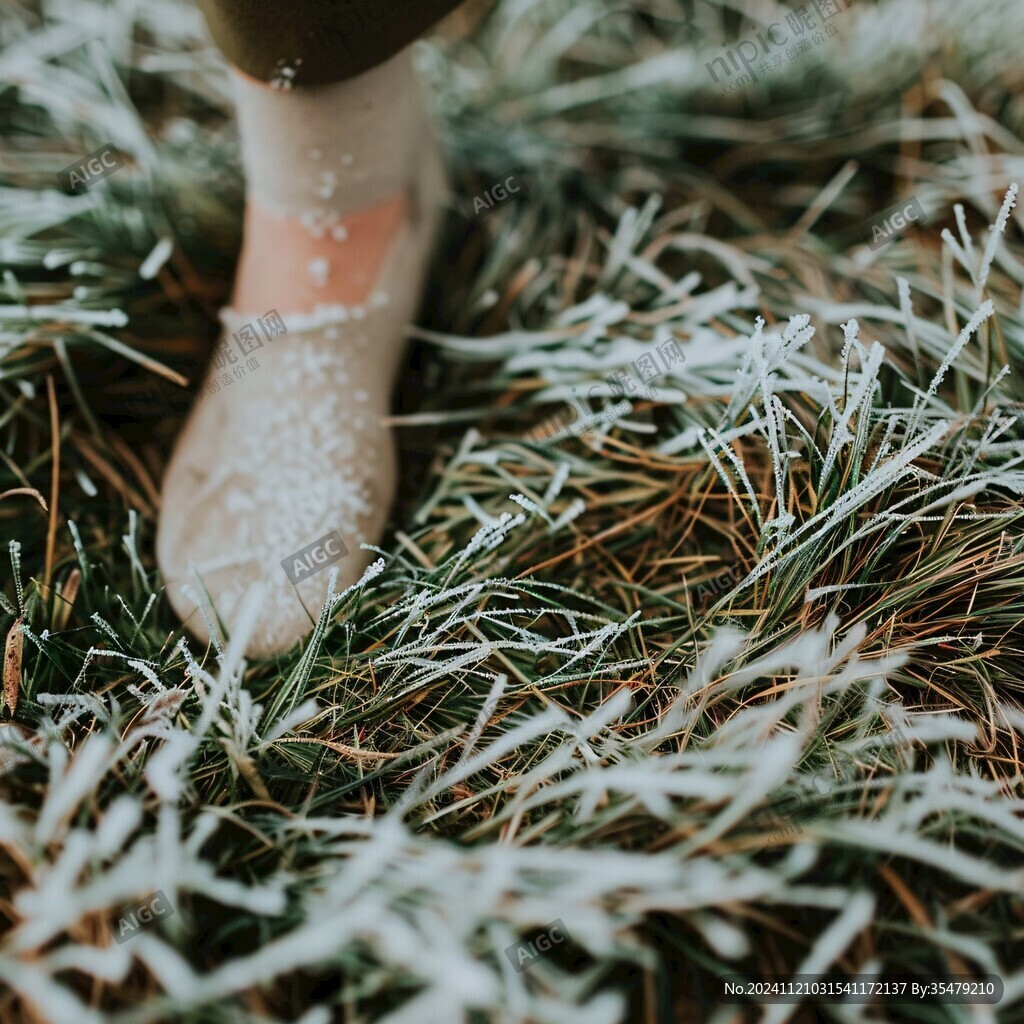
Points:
(658, 207)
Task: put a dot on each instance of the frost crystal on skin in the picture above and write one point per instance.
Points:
(318, 271)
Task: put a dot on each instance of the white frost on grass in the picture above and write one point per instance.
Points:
(438, 915)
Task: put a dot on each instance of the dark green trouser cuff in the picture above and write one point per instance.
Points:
(309, 42)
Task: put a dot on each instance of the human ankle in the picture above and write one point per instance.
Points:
(286, 266)
(330, 150)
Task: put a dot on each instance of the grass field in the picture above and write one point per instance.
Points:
(730, 684)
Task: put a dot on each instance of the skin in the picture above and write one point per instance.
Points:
(274, 268)
(384, 246)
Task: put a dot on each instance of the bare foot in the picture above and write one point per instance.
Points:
(290, 462)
